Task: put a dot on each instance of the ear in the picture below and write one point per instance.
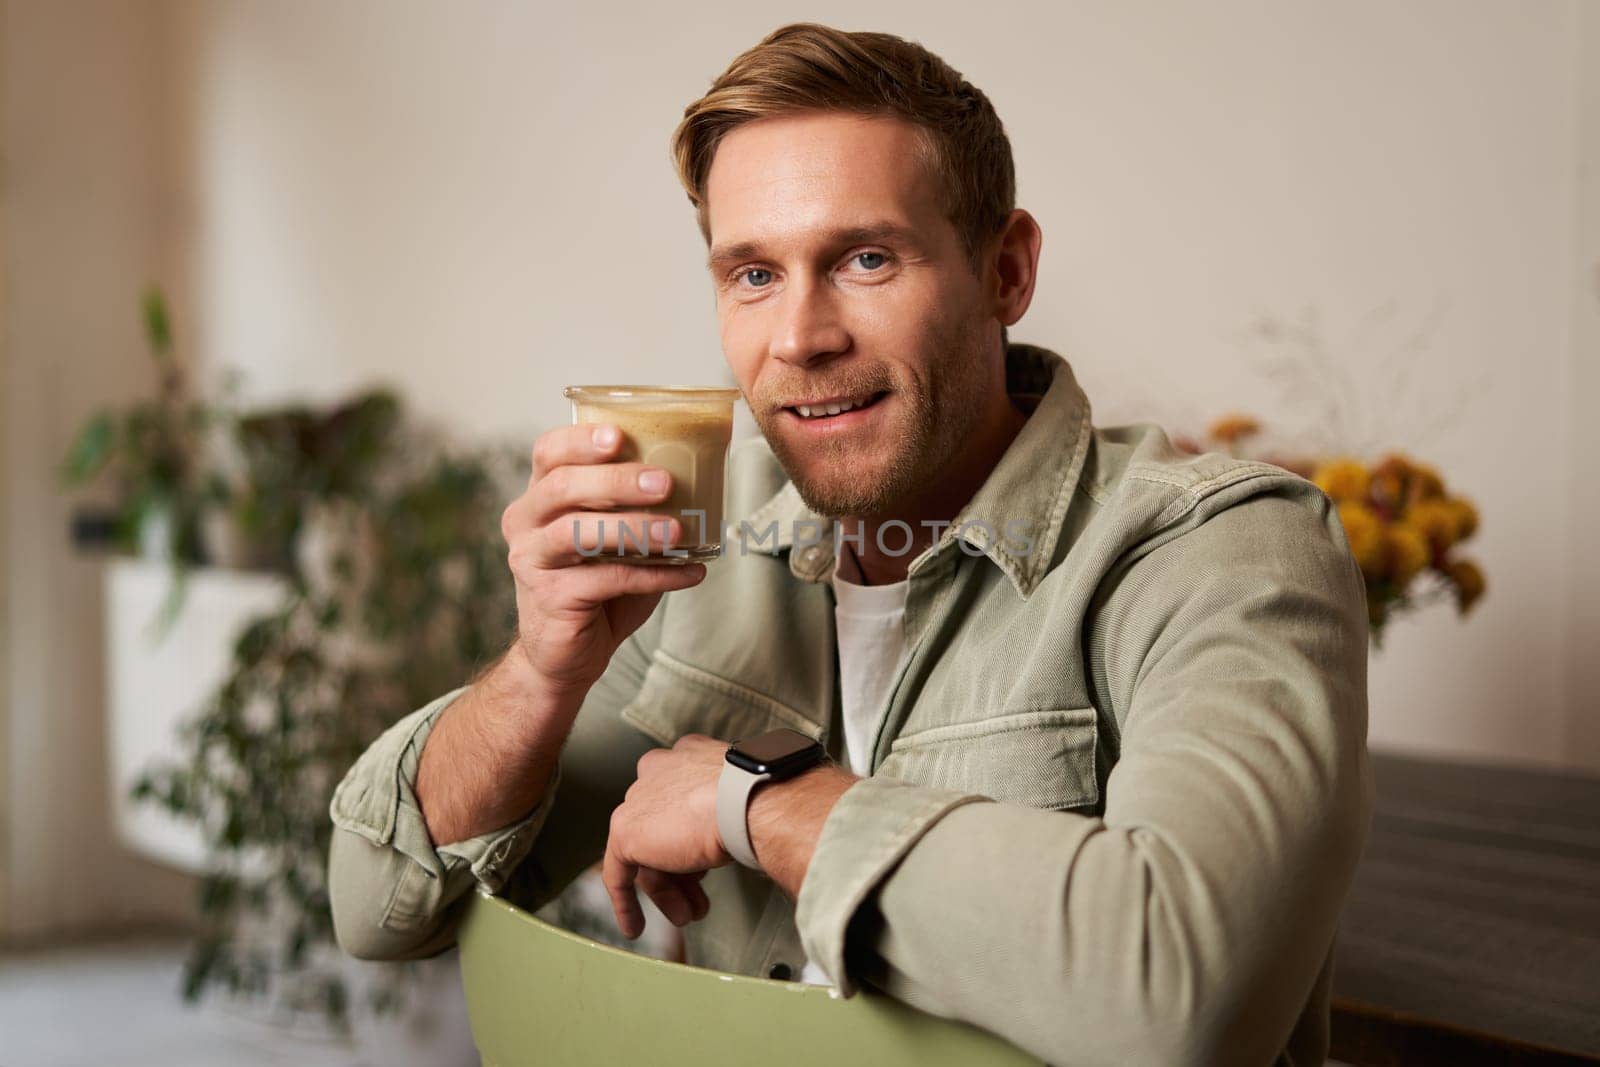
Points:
(1012, 266)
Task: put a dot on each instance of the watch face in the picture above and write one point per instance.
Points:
(778, 753)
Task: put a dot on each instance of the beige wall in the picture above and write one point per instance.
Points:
(473, 201)
(83, 231)
(6, 390)
(480, 208)
(1583, 633)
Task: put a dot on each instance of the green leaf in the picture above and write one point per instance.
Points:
(90, 450)
(157, 324)
(217, 892)
(200, 966)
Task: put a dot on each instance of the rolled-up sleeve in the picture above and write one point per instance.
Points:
(1189, 922)
(387, 880)
(395, 895)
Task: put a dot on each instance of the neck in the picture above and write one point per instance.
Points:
(938, 503)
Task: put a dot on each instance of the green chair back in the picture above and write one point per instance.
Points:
(541, 995)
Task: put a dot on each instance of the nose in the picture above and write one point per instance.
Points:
(809, 329)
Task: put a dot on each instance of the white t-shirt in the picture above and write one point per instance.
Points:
(870, 621)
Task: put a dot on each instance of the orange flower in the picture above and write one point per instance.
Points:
(1466, 517)
(1469, 583)
(1364, 531)
(1407, 550)
(1389, 479)
(1231, 429)
(1343, 479)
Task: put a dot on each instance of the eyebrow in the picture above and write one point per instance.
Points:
(879, 232)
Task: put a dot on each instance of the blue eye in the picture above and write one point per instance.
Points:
(878, 258)
(751, 276)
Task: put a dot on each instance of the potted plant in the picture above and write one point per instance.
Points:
(153, 456)
(414, 599)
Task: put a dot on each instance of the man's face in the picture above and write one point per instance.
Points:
(838, 276)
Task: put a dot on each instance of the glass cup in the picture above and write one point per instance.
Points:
(683, 429)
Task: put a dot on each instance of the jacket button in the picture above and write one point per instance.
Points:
(780, 971)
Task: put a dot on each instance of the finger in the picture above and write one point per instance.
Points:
(640, 766)
(695, 893)
(586, 443)
(668, 894)
(597, 487)
(619, 877)
(599, 582)
(579, 536)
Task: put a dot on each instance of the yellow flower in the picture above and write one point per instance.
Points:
(1343, 479)
(1407, 551)
(1231, 429)
(1466, 517)
(1364, 530)
(1438, 521)
(1469, 583)
(1425, 483)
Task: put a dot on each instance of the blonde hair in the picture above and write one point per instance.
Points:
(809, 67)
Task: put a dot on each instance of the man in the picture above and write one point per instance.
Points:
(1095, 707)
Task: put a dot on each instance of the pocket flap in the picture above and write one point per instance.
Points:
(1043, 759)
(679, 698)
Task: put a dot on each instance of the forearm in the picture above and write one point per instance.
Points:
(785, 820)
(490, 756)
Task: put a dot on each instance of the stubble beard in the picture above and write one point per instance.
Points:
(839, 478)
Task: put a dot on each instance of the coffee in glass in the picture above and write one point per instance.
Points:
(682, 429)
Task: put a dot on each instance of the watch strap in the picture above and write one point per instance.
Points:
(733, 803)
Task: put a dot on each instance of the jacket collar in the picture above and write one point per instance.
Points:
(1029, 489)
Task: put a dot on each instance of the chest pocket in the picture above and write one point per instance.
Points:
(1042, 759)
(679, 698)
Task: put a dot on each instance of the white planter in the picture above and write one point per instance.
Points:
(158, 678)
(156, 535)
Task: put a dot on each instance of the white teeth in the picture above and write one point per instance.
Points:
(819, 410)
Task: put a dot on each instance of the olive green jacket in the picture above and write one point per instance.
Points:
(1118, 795)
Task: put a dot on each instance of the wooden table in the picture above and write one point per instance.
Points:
(1472, 935)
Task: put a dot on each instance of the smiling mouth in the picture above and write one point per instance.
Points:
(834, 408)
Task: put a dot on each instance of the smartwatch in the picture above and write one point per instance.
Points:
(768, 757)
